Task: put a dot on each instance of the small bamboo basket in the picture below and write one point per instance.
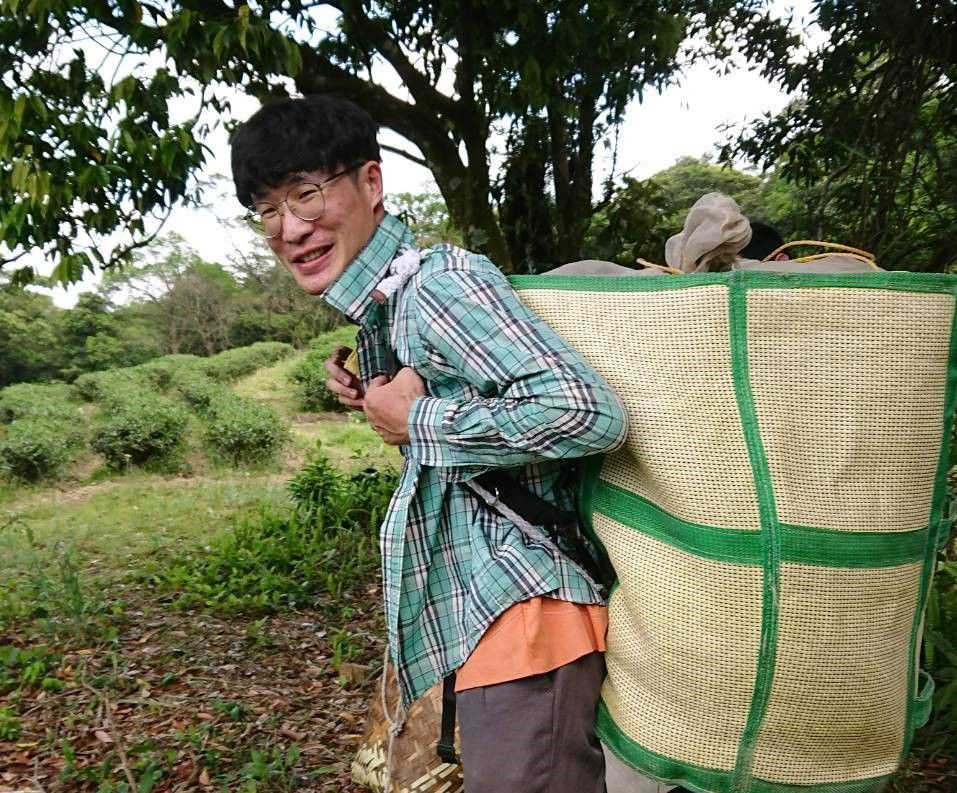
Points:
(411, 764)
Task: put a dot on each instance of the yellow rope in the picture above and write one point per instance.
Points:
(855, 253)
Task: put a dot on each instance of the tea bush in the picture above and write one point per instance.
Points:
(318, 554)
(243, 430)
(161, 371)
(35, 400)
(140, 427)
(197, 389)
(232, 364)
(96, 386)
(311, 375)
(38, 448)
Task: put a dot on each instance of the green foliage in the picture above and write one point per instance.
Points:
(26, 667)
(91, 338)
(641, 214)
(101, 386)
(272, 767)
(29, 343)
(47, 588)
(198, 390)
(243, 430)
(311, 375)
(10, 727)
(320, 553)
(426, 215)
(84, 156)
(39, 341)
(95, 150)
(29, 400)
(36, 448)
(138, 428)
(233, 364)
(160, 372)
(870, 132)
(940, 652)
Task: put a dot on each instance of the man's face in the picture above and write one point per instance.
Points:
(317, 252)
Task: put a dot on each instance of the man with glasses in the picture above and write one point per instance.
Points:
(458, 373)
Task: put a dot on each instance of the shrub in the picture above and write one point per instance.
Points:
(940, 653)
(37, 448)
(97, 386)
(232, 364)
(197, 390)
(244, 430)
(320, 554)
(35, 400)
(311, 374)
(319, 492)
(160, 372)
(140, 428)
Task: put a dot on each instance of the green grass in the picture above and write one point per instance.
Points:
(104, 525)
(272, 385)
(346, 439)
(113, 524)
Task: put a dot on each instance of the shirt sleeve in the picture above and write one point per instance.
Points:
(535, 397)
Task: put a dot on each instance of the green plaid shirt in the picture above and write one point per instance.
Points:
(504, 390)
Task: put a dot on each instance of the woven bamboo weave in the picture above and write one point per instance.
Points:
(773, 517)
(415, 767)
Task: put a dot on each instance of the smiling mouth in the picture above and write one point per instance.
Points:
(313, 257)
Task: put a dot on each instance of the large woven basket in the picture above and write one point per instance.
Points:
(773, 517)
(414, 766)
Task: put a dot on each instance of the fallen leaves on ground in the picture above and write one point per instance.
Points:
(188, 701)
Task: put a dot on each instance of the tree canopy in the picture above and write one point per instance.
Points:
(89, 145)
(870, 135)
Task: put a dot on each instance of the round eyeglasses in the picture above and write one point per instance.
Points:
(305, 200)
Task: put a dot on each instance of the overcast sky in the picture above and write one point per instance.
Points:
(686, 119)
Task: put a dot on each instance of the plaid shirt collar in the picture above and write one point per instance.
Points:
(351, 293)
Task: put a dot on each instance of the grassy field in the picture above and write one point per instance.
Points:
(254, 701)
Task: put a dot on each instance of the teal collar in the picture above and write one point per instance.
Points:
(351, 293)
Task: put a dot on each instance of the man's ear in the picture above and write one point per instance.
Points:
(370, 181)
(782, 257)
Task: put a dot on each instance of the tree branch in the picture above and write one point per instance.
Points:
(12, 258)
(375, 33)
(403, 153)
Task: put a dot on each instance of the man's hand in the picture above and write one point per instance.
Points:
(387, 404)
(343, 384)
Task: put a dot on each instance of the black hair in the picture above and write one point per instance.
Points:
(288, 136)
(764, 240)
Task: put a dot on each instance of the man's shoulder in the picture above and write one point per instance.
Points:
(447, 264)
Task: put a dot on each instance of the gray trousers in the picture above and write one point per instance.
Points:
(536, 734)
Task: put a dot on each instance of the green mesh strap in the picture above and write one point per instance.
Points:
(918, 711)
(770, 536)
(707, 780)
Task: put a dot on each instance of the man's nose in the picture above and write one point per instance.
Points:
(295, 228)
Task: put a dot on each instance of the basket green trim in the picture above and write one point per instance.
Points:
(895, 281)
(939, 508)
(741, 546)
(850, 549)
(799, 544)
(706, 780)
(770, 535)
(658, 766)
